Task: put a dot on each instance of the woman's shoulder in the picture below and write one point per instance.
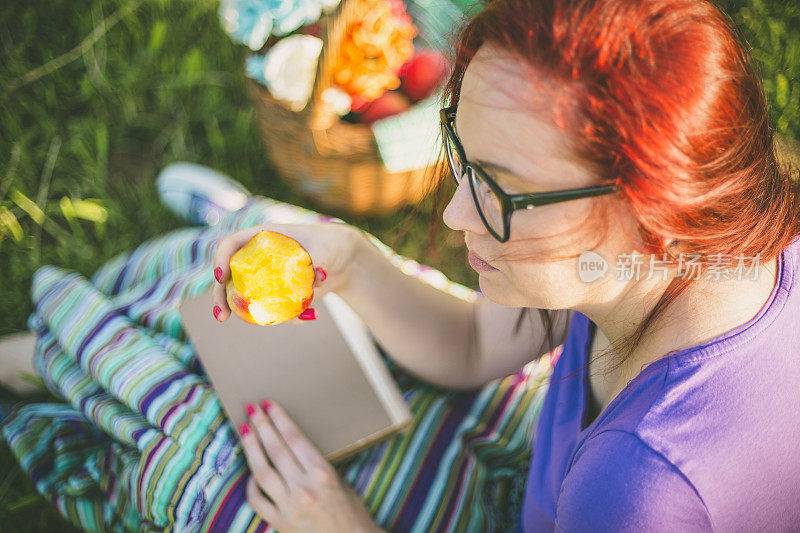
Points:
(720, 442)
(617, 481)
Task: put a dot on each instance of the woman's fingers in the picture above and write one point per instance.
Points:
(259, 503)
(302, 449)
(267, 477)
(319, 275)
(286, 464)
(309, 313)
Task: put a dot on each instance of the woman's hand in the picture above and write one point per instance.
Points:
(331, 245)
(292, 486)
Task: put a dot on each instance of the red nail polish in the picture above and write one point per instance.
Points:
(218, 274)
(217, 311)
(251, 409)
(322, 271)
(265, 405)
(244, 429)
(309, 314)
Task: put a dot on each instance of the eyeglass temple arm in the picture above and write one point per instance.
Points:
(544, 198)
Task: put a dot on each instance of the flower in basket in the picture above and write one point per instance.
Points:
(251, 22)
(288, 69)
(375, 46)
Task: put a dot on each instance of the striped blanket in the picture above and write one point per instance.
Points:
(139, 441)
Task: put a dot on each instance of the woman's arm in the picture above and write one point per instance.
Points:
(502, 352)
(427, 331)
(435, 335)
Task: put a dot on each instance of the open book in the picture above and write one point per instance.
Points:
(326, 373)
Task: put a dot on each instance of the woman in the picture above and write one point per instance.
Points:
(672, 403)
(649, 121)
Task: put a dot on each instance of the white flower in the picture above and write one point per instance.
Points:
(337, 99)
(288, 69)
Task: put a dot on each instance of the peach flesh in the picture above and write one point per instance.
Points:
(272, 279)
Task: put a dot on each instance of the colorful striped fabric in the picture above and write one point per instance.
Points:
(140, 442)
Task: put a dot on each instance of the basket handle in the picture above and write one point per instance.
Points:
(321, 116)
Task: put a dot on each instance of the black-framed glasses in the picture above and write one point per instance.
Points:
(494, 205)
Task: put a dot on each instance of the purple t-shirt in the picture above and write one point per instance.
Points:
(705, 439)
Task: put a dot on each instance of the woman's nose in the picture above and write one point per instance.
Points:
(461, 213)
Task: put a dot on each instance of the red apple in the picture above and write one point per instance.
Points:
(423, 73)
(358, 104)
(388, 104)
(311, 29)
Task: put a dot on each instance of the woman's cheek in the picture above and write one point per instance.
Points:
(552, 285)
(518, 284)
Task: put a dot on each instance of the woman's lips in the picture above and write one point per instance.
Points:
(479, 264)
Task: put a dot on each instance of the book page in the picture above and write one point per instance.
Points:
(308, 367)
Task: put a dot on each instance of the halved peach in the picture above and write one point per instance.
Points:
(272, 279)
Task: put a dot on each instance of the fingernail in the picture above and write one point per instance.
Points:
(218, 274)
(265, 405)
(309, 314)
(251, 409)
(217, 311)
(244, 429)
(322, 272)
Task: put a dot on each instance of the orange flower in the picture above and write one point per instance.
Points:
(375, 45)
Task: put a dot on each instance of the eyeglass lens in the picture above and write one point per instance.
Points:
(488, 203)
(452, 157)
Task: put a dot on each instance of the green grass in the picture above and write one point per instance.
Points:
(83, 138)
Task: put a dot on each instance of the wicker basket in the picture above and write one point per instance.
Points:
(332, 162)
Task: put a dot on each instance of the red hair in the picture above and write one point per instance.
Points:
(663, 98)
